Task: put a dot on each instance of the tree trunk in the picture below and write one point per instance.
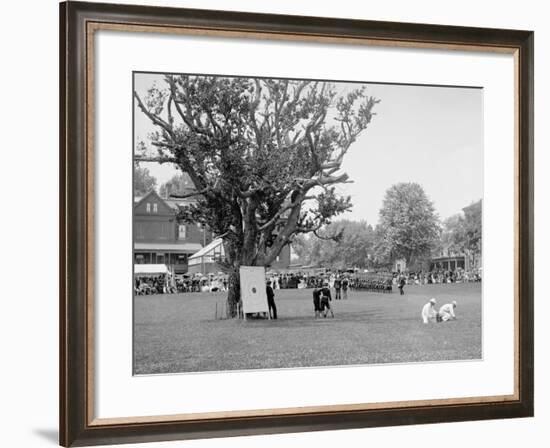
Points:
(234, 291)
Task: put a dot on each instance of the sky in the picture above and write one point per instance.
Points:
(426, 134)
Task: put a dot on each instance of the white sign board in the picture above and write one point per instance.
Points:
(253, 295)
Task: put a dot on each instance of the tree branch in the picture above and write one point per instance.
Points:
(154, 118)
(190, 195)
(282, 210)
(155, 159)
(335, 237)
(188, 120)
(309, 229)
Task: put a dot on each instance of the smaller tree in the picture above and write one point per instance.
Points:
(144, 182)
(453, 236)
(342, 244)
(472, 227)
(302, 246)
(180, 184)
(462, 232)
(409, 227)
(382, 250)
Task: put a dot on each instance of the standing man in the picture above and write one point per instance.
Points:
(338, 287)
(325, 300)
(402, 283)
(429, 314)
(345, 285)
(271, 300)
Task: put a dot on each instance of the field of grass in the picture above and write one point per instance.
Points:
(179, 332)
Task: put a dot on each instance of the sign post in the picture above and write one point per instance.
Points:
(253, 293)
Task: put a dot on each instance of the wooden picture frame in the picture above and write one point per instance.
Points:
(78, 22)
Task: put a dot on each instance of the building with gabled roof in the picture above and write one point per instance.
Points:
(159, 238)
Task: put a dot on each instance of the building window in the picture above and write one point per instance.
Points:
(165, 231)
(139, 231)
(148, 207)
(155, 208)
(182, 231)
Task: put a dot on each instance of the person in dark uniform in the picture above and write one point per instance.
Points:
(317, 301)
(271, 300)
(326, 298)
(338, 288)
(402, 284)
(345, 285)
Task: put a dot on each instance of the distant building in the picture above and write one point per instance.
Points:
(159, 238)
(469, 260)
(448, 263)
(183, 247)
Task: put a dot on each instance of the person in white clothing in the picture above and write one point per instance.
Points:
(428, 312)
(447, 312)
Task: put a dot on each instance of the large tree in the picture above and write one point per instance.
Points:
(408, 226)
(264, 155)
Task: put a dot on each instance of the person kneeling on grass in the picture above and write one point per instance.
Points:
(325, 300)
(447, 312)
(429, 314)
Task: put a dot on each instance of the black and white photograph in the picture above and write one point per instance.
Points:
(275, 224)
(289, 223)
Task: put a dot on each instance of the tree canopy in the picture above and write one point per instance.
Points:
(472, 227)
(408, 226)
(264, 155)
(354, 247)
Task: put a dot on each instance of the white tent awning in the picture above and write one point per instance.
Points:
(150, 269)
(208, 249)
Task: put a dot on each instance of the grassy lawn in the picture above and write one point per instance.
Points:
(178, 333)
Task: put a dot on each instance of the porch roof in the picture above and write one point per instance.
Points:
(188, 248)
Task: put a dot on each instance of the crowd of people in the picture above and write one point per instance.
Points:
(374, 282)
(340, 281)
(438, 277)
(154, 284)
(173, 284)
